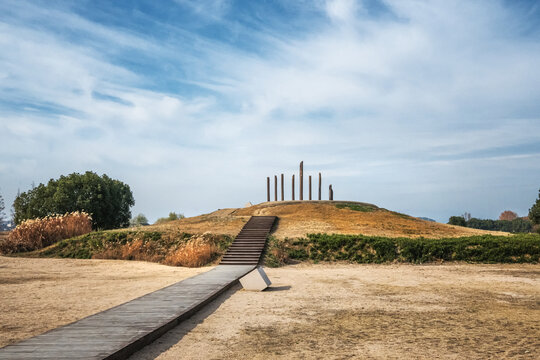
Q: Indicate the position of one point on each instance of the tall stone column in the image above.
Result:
(293, 187)
(320, 184)
(275, 187)
(301, 191)
(330, 193)
(282, 189)
(268, 188)
(309, 187)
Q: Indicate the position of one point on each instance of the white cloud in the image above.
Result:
(419, 101)
(341, 10)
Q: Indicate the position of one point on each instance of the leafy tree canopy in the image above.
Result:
(534, 212)
(457, 220)
(139, 220)
(108, 201)
(508, 215)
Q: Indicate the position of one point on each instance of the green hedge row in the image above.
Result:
(522, 248)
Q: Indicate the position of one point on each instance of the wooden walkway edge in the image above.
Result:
(118, 332)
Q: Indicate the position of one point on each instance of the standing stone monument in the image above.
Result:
(301, 191)
(293, 187)
(309, 187)
(282, 189)
(275, 187)
(268, 188)
(320, 183)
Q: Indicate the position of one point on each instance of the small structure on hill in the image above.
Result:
(300, 185)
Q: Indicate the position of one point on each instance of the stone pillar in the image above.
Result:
(330, 193)
(320, 184)
(293, 187)
(301, 191)
(275, 187)
(309, 187)
(282, 189)
(268, 189)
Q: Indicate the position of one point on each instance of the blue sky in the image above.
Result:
(431, 108)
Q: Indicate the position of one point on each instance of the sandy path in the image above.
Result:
(37, 295)
(371, 312)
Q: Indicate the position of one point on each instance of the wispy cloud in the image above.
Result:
(400, 97)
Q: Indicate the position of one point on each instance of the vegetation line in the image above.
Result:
(521, 248)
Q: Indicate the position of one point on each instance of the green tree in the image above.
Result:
(108, 201)
(534, 211)
(457, 220)
(139, 220)
(172, 216)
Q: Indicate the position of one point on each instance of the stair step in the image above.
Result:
(247, 247)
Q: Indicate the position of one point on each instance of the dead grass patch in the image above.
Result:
(193, 254)
(38, 233)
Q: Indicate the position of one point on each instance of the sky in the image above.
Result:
(430, 108)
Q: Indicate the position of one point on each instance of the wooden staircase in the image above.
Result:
(248, 245)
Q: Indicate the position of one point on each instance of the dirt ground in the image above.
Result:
(369, 312)
(37, 295)
(298, 218)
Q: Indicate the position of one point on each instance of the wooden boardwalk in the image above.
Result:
(120, 331)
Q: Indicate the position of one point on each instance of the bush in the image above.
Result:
(107, 200)
(172, 216)
(39, 233)
(139, 220)
(522, 248)
(534, 212)
(457, 220)
(519, 225)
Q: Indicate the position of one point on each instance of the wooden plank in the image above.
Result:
(120, 331)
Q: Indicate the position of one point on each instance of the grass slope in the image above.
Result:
(299, 218)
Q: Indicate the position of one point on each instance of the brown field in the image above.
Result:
(296, 219)
(330, 311)
(451, 311)
(37, 295)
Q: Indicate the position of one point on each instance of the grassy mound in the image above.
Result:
(172, 249)
(522, 248)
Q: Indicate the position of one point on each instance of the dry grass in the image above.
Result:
(298, 218)
(3, 235)
(195, 253)
(38, 233)
(135, 250)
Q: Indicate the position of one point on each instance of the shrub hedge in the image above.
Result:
(522, 248)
